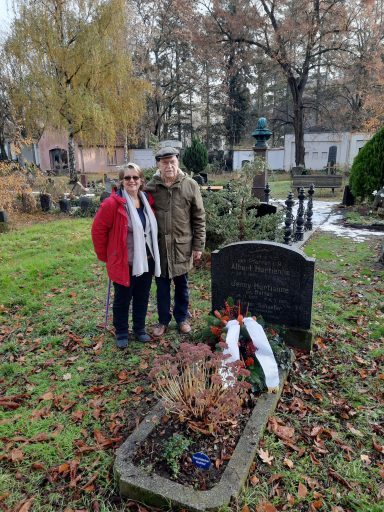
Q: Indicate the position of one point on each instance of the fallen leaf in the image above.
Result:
(288, 463)
(245, 509)
(354, 431)
(266, 507)
(38, 466)
(302, 491)
(264, 456)
(17, 455)
(67, 376)
(254, 480)
(377, 446)
(24, 506)
(365, 459)
(333, 474)
(275, 477)
(47, 396)
(123, 374)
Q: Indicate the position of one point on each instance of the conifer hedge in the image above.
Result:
(367, 172)
(195, 157)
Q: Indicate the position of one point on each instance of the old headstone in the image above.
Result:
(348, 197)
(4, 226)
(378, 200)
(65, 205)
(108, 184)
(271, 279)
(45, 202)
(199, 179)
(85, 203)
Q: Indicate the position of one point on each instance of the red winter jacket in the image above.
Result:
(109, 237)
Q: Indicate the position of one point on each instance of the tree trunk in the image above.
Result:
(71, 158)
(126, 153)
(298, 121)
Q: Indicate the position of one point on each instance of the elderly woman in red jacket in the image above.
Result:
(124, 235)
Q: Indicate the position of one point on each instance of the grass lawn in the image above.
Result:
(68, 397)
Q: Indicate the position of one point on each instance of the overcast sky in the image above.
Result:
(6, 15)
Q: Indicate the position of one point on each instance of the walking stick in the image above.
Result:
(107, 304)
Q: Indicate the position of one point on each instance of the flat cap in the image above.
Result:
(166, 153)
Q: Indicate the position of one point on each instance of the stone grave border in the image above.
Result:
(136, 483)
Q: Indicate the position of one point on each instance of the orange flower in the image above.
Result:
(216, 331)
(249, 361)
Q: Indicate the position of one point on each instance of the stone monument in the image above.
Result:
(262, 135)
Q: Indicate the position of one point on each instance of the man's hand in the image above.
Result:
(196, 255)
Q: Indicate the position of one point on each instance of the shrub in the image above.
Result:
(195, 157)
(14, 182)
(231, 214)
(194, 387)
(367, 172)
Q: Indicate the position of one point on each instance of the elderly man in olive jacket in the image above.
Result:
(181, 222)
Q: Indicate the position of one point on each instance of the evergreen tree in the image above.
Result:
(367, 173)
(195, 157)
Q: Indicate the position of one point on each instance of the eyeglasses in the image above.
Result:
(129, 178)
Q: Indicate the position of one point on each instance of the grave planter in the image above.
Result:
(45, 202)
(136, 482)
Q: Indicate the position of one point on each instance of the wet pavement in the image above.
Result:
(327, 217)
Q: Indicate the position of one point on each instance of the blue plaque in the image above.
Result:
(200, 460)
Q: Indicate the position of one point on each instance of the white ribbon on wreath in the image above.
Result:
(263, 351)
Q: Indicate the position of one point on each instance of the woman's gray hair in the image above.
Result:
(131, 165)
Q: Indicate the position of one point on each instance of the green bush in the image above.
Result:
(367, 172)
(195, 157)
(231, 214)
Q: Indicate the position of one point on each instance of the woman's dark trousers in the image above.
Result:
(138, 294)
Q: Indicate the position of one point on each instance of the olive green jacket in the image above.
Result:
(180, 217)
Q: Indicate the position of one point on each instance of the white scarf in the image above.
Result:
(140, 260)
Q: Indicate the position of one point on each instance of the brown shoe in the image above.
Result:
(184, 327)
(159, 330)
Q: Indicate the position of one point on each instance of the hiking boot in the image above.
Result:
(184, 327)
(159, 330)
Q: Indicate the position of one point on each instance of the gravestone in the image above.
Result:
(108, 185)
(4, 226)
(85, 203)
(65, 205)
(272, 280)
(348, 197)
(45, 202)
(199, 179)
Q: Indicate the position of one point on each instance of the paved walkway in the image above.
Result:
(327, 217)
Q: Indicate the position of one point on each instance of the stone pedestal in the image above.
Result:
(260, 180)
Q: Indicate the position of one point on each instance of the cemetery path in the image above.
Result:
(327, 216)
